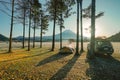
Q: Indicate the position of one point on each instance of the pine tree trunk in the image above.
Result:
(53, 41)
(60, 37)
(34, 35)
(92, 42)
(41, 30)
(81, 28)
(41, 36)
(29, 31)
(77, 40)
(11, 30)
(61, 32)
(24, 31)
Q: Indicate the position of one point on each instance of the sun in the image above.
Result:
(98, 31)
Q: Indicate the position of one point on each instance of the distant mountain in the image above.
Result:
(19, 38)
(67, 34)
(3, 38)
(115, 38)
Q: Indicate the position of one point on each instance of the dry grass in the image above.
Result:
(41, 64)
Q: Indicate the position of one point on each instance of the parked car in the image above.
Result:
(102, 46)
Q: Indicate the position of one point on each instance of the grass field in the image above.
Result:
(42, 64)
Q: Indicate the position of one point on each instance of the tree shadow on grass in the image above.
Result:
(104, 68)
(52, 58)
(30, 56)
(62, 73)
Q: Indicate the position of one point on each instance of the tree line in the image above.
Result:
(35, 15)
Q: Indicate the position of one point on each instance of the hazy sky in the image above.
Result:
(107, 25)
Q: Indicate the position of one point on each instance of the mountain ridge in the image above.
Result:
(3, 38)
(115, 37)
(67, 34)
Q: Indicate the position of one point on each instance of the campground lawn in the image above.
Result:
(42, 64)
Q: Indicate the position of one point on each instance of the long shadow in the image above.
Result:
(27, 56)
(62, 73)
(51, 58)
(104, 68)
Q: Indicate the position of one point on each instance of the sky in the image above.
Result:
(107, 25)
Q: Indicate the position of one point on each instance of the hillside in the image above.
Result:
(3, 38)
(115, 38)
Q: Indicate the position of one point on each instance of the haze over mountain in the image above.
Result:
(67, 34)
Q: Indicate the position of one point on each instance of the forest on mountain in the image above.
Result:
(3, 38)
(115, 37)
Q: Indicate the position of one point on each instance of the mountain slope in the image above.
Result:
(3, 38)
(115, 38)
(67, 34)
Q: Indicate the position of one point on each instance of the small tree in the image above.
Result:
(55, 9)
(61, 26)
(22, 15)
(29, 31)
(64, 12)
(44, 26)
(36, 6)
